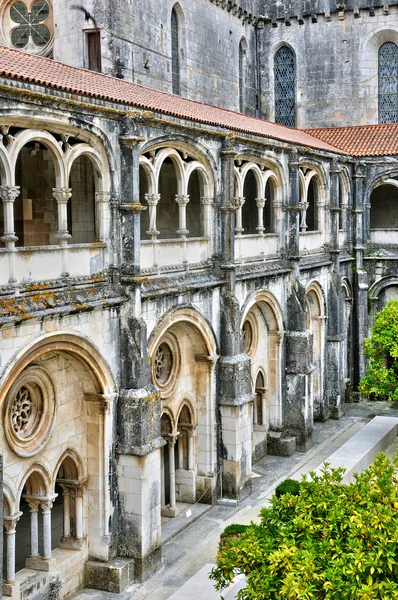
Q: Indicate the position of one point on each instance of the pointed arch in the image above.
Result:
(285, 86)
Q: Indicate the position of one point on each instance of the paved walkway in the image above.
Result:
(189, 555)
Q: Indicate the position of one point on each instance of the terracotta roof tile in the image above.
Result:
(361, 140)
(33, 69)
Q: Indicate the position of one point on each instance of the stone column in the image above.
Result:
(294, 208)
(360, 320)
(239, 202)
(182, 201)
(34, 527)
(303, 219)
(79, 512)
(8, 194)
(66, 507)
(46, 507)
(102, 200)
(260, 203)
(62, 196)
(172, 471)
(235, 393)
(207, 207)
(10, 524)
(191, 460)
(334, 384)
(153, 201)
(130, 206)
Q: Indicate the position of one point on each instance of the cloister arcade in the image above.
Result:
(56, 410)
(55, 191)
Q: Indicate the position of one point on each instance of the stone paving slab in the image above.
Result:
(199, 587)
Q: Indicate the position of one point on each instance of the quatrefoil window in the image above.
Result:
(30, 24)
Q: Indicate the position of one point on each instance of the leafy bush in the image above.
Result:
(332, 541)
(234, 529)
(289, 486)
(381, 379)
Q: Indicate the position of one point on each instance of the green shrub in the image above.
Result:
(332, 541)
(289, 486)
(234, 529)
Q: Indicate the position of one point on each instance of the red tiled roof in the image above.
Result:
(361, 140)
(33, 69)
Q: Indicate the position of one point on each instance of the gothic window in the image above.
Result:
(388, 83)
(28, 26)
(175, 53)
(242, 51)
(285, 87)
(163, 364)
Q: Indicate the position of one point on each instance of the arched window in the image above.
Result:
(285, 87)
(175, 53)
(242, 55)
(388, 83)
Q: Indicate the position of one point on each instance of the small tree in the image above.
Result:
(332, 541)
(381, 349)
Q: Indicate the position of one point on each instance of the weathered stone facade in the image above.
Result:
(177, 298)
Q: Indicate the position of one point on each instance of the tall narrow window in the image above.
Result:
(285, 87)
(388, 83)
(94, 50)
(241, 76)
(175, 53)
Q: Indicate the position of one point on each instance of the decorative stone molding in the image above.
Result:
(29, 412)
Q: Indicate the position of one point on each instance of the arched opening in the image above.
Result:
(61, 417)
(194, 213)
(262, 329)
(70, 492)
(175, 53)
(388, 83)
(260, 409)
(183, 372)
(168, 214)
(35, 209)
(312, 209)
(316, 324)
(81, 205)
(285, 86)
(249, 208)
(384, 207)
(269, 222)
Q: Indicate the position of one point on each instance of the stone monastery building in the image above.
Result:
(199, 221)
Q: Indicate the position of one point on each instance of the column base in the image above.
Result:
(38, 563)
(279, 445)
(11, 590)
(168, 511)
(113, 576)
(70, 543)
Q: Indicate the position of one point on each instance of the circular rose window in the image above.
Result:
(28, 25)
(163, 363)
(29, 412)
(247, 335)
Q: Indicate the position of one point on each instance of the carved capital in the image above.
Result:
(182, 199)
(8, 193)
(207, 201)
(260, 202)
(102, 197)
(152, 199)
(62, 195)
